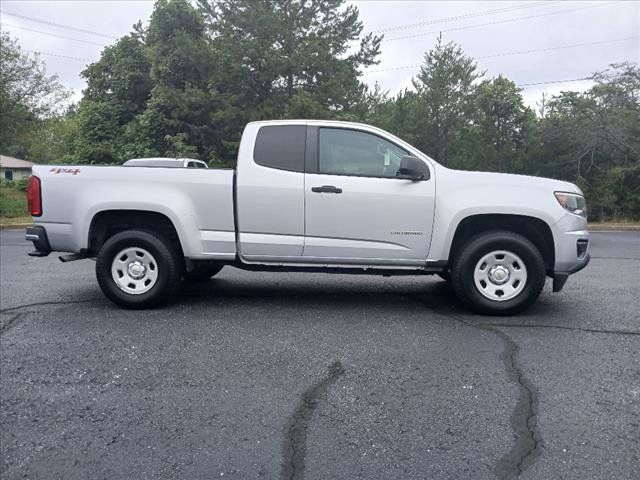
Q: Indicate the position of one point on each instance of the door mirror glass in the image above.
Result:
(412, 168)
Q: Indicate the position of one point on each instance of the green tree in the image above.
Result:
(287, 59)
(118, 88)
(28, 97)
(178, 118)
(149, 94)
(445, 88)
(502, 128)
(593, 138)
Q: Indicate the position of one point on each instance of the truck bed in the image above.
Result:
(193, 199)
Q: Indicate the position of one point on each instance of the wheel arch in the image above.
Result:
(106, 223)
(534, 229)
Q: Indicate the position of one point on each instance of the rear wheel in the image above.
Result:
(498, 273)
(138, 269)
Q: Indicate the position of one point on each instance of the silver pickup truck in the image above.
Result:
(317, 196)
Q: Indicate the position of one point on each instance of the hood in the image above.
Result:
(512, 180)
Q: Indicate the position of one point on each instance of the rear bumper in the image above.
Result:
(38, 235)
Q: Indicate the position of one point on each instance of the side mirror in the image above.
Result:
(412, 168)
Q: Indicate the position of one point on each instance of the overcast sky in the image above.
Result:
(596, 34)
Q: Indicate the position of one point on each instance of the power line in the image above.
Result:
(497, 22)
(60, 25)
(58, 55)
(521, 52)
(480, 13)
(553, 81)
(53, 34)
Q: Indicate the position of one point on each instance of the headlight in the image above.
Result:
(572, 202)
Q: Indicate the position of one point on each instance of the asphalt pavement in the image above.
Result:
(290, 376)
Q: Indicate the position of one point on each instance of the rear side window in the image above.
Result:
(281, 147)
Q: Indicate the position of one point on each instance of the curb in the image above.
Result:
(613, 228)
(13, 226)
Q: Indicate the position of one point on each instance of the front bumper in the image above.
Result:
(38, 235)
(560, 278)
(572, 248)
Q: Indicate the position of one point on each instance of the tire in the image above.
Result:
(138, 269)
(202, 273)
(485, 258)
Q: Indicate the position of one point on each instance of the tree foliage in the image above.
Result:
(444, 100)
(186, 84)
(28, 99)
(593, 138)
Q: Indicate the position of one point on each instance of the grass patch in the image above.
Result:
(13, 205)
(615, 225)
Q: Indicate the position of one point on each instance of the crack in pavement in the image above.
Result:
(38, 304)
(523, 420)
(563, 327)
(294, 448)
(4, 326)
(524, 415)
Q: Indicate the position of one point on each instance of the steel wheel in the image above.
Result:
(134, 270)
(500, 275)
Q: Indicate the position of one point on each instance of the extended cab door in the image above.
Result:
(270, 192)
(356, 209)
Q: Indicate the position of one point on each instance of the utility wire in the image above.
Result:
(480, 13)
(60, 25)
(553, 81)
(497, 22)
(521, 52)
(58, 55)
(53, 34)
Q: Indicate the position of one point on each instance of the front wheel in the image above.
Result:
(137, 269)
(498, 273)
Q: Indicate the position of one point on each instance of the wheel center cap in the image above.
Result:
(499, 274)
(136, 270)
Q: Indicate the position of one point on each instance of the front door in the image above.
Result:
(356, 209)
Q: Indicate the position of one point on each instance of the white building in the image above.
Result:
(14, 168)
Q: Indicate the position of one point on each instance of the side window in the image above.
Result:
(281, 147)
(191, 165)
(350, 152)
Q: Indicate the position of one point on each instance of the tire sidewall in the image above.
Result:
(463, 272)
(165, 261)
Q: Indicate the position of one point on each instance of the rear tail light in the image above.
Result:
(34, 196)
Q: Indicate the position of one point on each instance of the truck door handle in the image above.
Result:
(326, 189)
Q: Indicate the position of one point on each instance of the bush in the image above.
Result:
(4, 183)
(13, 204)
(21, 184)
